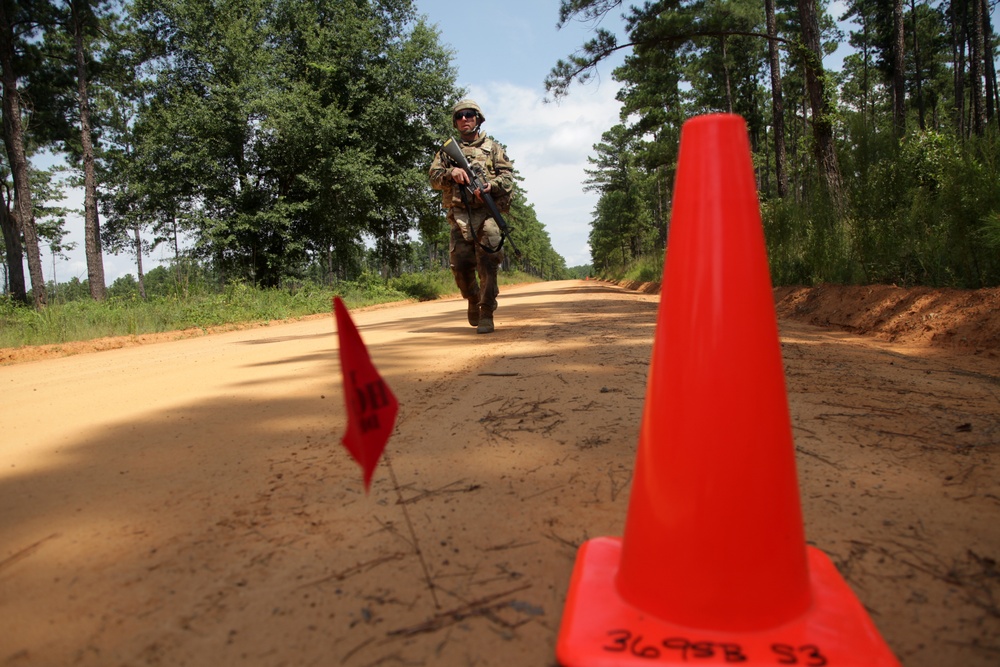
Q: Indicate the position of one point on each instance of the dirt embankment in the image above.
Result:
(955, 319)
(922, 316)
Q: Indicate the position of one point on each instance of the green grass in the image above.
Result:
(645, 269)
(128, 315)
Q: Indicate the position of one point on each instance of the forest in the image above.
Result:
(283, 140)
(887, 171)
(288, 140)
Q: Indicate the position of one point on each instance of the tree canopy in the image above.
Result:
(261, 137)
(888, 171)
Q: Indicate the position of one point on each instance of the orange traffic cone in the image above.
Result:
(713, 566)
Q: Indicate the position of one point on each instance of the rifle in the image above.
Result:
(476, 183)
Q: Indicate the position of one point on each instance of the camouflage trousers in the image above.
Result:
(470, 230)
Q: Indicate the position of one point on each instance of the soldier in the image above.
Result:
(476, 241)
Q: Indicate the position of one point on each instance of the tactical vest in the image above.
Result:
(482, 157)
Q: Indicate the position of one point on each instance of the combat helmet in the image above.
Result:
(469, 104)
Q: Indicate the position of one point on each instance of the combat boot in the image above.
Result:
(474, 311)
(485, 321)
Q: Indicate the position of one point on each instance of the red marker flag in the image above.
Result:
(371, 405)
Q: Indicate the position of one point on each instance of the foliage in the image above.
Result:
(274, 140)
(188, 296)
(646, 269)
(425, 286)
(264, 125)
(124, 313)
(286, 141)
(906, 200)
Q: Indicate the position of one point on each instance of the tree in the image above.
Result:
(859, 87)
(918, 78)
(898, 69)
(84, 19)
(622, 229)
(13, 249)
(14, 28)
(989, 66)
(61, 86)
(718, 50)
(977, 55)
(819, 101)
(126, 206)
(777, 99)
(909, 205)
(284, 130)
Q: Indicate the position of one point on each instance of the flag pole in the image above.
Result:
(413, 534)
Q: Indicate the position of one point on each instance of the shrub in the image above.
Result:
(425, 286)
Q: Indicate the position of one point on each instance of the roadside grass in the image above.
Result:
(237, 303)
(645, 269)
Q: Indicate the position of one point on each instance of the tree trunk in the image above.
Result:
(990, 73)
(725, 69)
(92, 228)
(138, 263)
(865, 78)
(777, 101)
(917, 74)
(958, 64)
(13, 139)
(15, 253)
(822, 123)
(976, 55)
(662, 206)
(898, 70)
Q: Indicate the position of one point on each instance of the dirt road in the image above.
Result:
(189, 503)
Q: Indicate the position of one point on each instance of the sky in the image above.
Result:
(502, 53)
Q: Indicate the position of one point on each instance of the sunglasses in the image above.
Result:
(464, 115)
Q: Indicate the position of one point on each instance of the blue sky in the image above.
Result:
(502, 52)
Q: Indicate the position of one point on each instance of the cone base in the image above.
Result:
(599, 629)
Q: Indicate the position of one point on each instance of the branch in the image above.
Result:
(564, 73)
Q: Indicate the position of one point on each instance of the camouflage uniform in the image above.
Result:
(474, 233)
